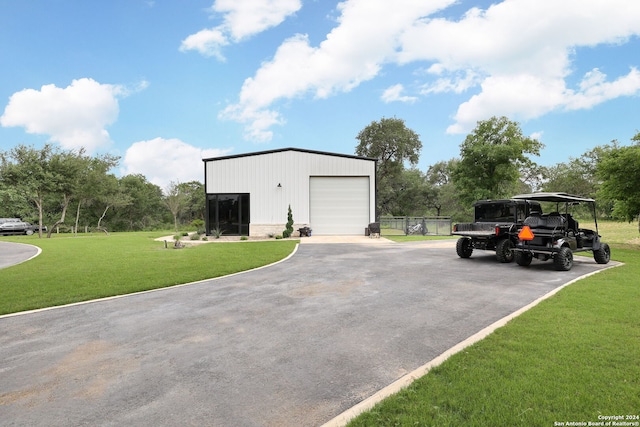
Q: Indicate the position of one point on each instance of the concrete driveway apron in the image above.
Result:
(294, 344)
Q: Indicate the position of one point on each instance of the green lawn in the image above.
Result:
(72, 269)
(572, 358)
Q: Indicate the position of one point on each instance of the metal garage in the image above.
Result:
(339, 205)
(249, 194)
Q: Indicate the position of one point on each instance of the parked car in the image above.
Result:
(15, 226)
(557, 235)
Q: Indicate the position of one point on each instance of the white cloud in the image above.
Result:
(207, 42)
(517, 96)
(353, 52)
(523, 50)
(75, 116)
(241, 20)
(516, 54)
(394, 94)
(595, 89)
(537, 135)
(457, 83)
(245, 18)
(162, 161)
(257, 122)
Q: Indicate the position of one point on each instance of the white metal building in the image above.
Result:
(249, 194)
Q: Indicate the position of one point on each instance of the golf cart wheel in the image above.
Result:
(563, 261)
(464, 248)
(602, 255)
(503, 250)
(523, 258)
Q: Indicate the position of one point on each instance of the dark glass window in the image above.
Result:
(228, 213)
(498, 212)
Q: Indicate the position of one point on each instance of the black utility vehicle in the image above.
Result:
(557, 235)
(494, 228)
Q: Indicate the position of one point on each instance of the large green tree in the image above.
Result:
(95, 185)
(145, 210)
(412, 194)
(28, 172)
(444, 198)
(577, 176)
(196, 201)
(619, 170)
(492, 158)
(394, 145)
(50, 179)
(175, 200)
(67, 169)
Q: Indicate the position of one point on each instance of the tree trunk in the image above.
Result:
(77, 217)
(65, 204)
(99, 227)
(38, 200)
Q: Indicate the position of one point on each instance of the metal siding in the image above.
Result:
(259, 176)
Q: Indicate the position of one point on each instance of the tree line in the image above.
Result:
(495, 162)
(70, 191)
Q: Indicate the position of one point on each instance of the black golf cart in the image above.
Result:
(557, 235)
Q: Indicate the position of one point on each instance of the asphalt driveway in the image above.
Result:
(294, 344)
(15, 253)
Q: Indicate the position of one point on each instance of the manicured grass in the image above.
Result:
(625, 233)
(571, 358)
(73, 269)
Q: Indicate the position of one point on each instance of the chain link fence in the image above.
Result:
(415, 225)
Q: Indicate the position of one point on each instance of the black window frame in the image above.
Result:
(227, 224)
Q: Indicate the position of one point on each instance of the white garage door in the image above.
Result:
(339, 205)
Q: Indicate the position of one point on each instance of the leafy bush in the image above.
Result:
(198, 224)
(194, 236)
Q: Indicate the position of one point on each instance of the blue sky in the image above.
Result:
(165, 83)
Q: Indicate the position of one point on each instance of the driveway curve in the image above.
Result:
(14, 253)
(295, 344)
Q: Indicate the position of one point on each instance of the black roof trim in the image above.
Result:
(279, 150)
(554, 197)
(487, 201)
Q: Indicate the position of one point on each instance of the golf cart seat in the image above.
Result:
(551, 222)
(572, 224)
(554, 221)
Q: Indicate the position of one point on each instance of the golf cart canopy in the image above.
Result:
(554, 197)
